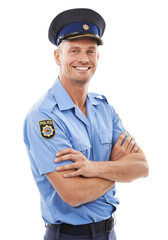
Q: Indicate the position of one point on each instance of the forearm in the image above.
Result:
(90, 189)
(78, 190)
(126, 169)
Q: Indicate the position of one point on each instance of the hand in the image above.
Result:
(81, 164)
(124, 145)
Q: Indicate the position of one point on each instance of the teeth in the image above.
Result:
(82, 68)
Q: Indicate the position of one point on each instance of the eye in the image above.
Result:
(74, 51)
(91, 52)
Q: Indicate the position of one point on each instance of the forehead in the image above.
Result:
(80, 43)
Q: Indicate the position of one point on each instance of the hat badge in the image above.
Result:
(86, 27)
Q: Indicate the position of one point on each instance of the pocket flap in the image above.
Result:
(80, 146)
(105, 138)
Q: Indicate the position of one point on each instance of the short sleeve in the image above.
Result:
(42, 151)
(118, 127)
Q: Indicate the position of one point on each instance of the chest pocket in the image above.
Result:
(105, 138)
(105, 143)
(84, 148)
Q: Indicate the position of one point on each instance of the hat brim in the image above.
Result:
(96, 38)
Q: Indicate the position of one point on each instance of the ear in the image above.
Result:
(98, 56)
(57, 57)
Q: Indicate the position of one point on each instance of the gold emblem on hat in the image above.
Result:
(86, 27)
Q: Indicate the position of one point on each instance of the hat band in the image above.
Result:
(77, 28)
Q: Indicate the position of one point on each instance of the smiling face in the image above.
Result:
(77, 60)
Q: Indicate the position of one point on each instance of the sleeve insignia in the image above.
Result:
(47, 129)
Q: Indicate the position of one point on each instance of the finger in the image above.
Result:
(131, 145)
(121, 138)
(72, 157)
(135, 148)
(65, 151)
(126, 141)
(66, 167)
(72, 174)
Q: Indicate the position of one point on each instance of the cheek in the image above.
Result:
(95, 63)
(65, 65)
(68, 62)
(62, 61)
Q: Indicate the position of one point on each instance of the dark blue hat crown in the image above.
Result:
(75, 24)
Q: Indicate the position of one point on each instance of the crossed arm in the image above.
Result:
(85, 181)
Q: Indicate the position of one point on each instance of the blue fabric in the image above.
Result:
(77, 27)
(93, 136)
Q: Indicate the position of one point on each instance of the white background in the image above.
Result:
(132, 73)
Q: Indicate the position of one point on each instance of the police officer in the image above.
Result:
(77, 145)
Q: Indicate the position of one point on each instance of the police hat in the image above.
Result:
(76, 24)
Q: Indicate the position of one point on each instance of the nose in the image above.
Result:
(83, 58)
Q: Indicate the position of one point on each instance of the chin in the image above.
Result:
(82, 81)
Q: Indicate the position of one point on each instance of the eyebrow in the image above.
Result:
(92, 47)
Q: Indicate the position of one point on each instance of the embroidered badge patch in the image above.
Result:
(47, 129)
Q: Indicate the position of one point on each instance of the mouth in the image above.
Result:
(82, 68)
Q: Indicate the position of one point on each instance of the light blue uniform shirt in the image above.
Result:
(94, 136)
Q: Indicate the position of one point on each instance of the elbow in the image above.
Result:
(144, 167)
(75, 204)
(145, 170)
(142, 171)
(73, 201)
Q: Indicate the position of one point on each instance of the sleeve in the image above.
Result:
(44, 138)
(118, 127)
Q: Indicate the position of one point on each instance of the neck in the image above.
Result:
(77, 92)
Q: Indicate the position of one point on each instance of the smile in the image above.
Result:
(82, 68)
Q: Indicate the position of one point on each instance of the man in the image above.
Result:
(77, 145)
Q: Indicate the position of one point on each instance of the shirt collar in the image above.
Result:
(93, 97)
(63, 99)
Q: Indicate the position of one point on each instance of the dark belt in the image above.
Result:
(104, 226)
